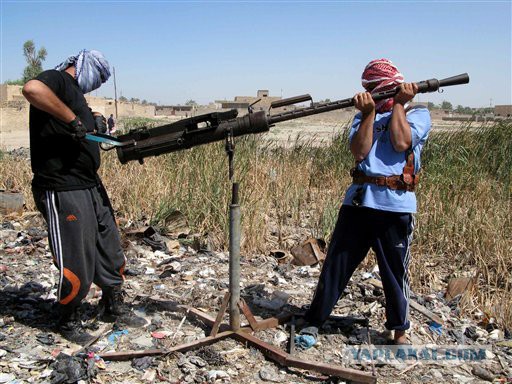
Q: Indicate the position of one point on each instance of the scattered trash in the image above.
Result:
(458, 286)
(172, 269)
(309, 253)
(280, 337)
(161, 284)
(154, 240)
(471, 333)
(69, 369)
(197, 361)
(269, 373)
(98, 361)
(435, 328)
(497, 334)
(482, 373)
(6, 377)
(161, 334)
(279, 255)
(45, 338)
(306, 338)
(215, 375)
(116, 335)
(278, 301)
(149, 375)
(11, 202)
(143, 363)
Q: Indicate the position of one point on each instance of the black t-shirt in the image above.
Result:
(59, 162)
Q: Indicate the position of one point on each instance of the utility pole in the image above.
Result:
(115, 89)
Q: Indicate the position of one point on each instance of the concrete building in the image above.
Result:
(242, 102)
(503, 111)
(173, 110)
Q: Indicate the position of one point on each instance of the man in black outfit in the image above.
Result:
(111, 124)
(83, 235)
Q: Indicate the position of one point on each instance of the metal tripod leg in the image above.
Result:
(234, 330)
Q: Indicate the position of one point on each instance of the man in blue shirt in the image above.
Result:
(386, 140)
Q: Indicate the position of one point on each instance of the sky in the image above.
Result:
(169, 52)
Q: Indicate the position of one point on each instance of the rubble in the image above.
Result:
(163, 279)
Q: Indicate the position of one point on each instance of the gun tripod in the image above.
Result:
(220, 331)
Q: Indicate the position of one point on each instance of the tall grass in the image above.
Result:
(464, 223)
(465, 215)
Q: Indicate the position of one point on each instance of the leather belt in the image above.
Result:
(403, 182)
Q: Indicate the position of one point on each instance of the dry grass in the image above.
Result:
(463, 225)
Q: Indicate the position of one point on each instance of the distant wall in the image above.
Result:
(503, 111)
(10, 93)
(173, 110)
(124, 109)
(14, 125)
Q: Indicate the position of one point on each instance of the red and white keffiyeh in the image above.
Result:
(381, 75)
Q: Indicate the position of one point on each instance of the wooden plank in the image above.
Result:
(104, 330)
(203, 316)
(418, 307)
(127, 355)
(421, 309)
(220, 314)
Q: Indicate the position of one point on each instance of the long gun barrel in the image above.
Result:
(208, 128)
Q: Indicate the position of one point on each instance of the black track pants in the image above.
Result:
(84, 240)
(357, 230)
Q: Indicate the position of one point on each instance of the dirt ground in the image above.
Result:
(185, 275)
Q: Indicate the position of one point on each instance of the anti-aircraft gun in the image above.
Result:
(203, 129)
(141, 143)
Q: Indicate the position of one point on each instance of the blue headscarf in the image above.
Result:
(91, 69)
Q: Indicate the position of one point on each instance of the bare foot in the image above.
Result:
(400, 338)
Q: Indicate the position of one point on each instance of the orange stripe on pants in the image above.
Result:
(75, 286)
(121, 271)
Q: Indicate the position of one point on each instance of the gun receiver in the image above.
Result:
(187, 133)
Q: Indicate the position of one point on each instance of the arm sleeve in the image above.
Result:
(420, 122)
(52, 79)
(355, 127)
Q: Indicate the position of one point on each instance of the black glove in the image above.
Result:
(77, 129)
(100, 123)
